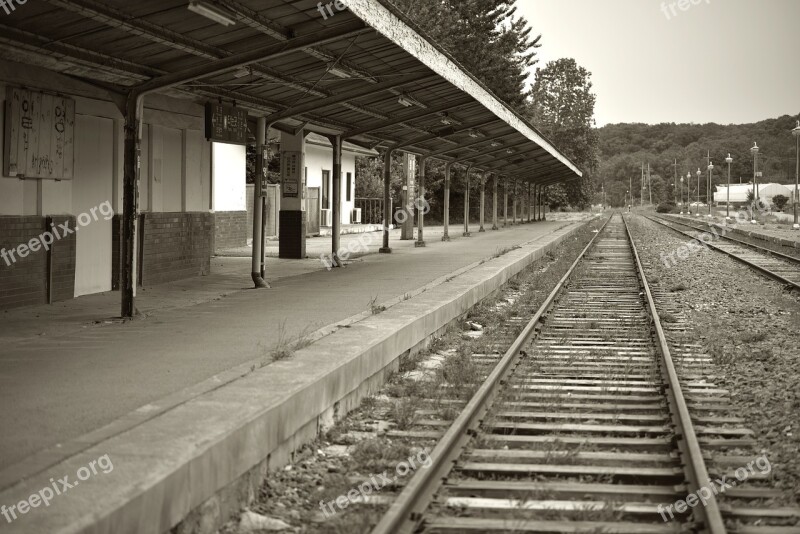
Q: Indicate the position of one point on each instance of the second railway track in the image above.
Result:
(583, 426)
(781, 267)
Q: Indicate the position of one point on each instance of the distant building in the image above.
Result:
(739, 193)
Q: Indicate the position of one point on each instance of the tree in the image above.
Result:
(562, 107)
(486, 36)
(556, 197)
(780, 201)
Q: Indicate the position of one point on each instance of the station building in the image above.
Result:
(146, 107)
(739, 192)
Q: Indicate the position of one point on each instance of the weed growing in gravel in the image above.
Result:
(753, 337)
(374, 308)
(404, 412)
(667, 317)
(462, 374)
(286, 347)
(677, 288)
(376, 455)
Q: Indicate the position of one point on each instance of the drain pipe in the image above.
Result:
(259, 267)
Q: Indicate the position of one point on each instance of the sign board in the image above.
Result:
(226, 124)
(39, 137)
(291, 179)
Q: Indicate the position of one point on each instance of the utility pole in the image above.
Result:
(675, 180)
(650, 183)
(708, 185)
(641, 191)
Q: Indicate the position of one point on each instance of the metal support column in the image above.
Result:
(544, 203)
(387, 201)
(495, 200)
(421, 205)
(336, 143)
(466, 202)
(505, 202)
(259, 267)
(483, 201)
(514, 204)
(130, 208)
(529, 202)
(447, 169)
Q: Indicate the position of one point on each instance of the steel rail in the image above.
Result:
(695, 465)
(406, 512)
(775, 253)
(763, 270)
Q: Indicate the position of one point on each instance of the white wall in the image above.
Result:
(319, 158)
(229, 170)
(175, 172)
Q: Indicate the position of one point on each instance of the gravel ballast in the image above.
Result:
(751, 326)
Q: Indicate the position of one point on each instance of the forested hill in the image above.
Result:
(690, 143)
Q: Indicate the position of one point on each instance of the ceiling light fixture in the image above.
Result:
(474, 134)
(405, 101)
(510, 151)
(212, 13)
(496, 143)
(446, 119)
(243, 72)
(337, 71)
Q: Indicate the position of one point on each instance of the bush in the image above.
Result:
(667, 207)
(780, 201)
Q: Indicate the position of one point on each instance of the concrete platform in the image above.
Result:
(774, 233)
(179, 400)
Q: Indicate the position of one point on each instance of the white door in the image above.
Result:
(91, 187)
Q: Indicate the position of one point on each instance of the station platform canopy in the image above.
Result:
(365, 72)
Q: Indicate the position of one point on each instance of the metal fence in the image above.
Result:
(371, 210)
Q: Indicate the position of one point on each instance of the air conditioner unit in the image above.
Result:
(356, 216)
(326, 218)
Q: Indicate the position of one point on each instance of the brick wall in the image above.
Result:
(176, 246)
(63, 262)
(25, 282)
(230, 229)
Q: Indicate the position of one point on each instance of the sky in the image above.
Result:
(723, 61)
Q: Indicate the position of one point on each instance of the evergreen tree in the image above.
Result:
(486, 36)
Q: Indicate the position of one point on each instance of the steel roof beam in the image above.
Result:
(473, 143)
(405, 118)
(443, 135)
(153, 32)
(351, 95)
(244, 59)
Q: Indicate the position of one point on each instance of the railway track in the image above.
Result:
(585, 424)
(780, 267)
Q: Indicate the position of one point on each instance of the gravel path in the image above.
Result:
(751, 327)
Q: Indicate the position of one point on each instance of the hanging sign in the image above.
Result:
(226, 124)
(39, 139)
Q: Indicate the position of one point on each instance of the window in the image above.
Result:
(349, 186)
(326, 190)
